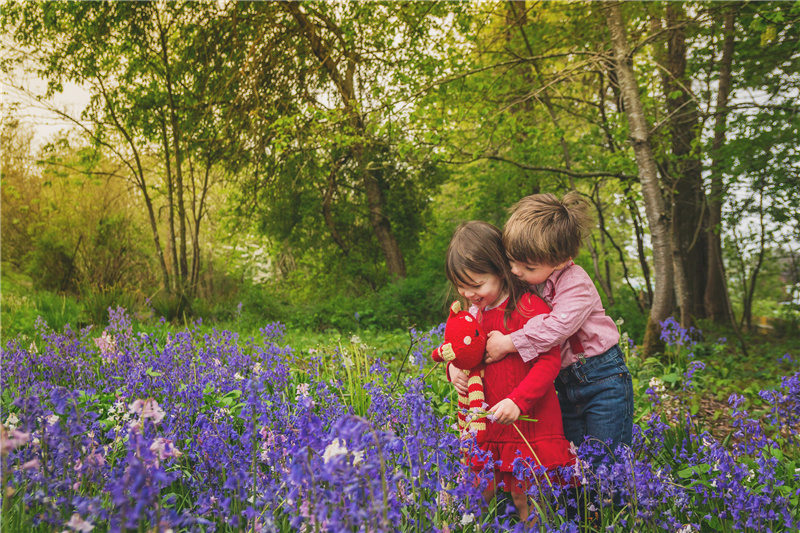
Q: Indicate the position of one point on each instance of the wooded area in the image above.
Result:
(345, 141)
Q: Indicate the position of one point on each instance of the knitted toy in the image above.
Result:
(464, 346)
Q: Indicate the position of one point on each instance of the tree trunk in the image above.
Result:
(383, 230)
(750, 289)
(658, 221)
(171, 248)
(381, 226)
(688, 202)
(633, 209)
(717, 299)
(177, 148)
(141, 184)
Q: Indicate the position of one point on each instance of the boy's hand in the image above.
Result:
(505, 412)
(497, 347)
(459, 380)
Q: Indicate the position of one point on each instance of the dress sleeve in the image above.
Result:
(572, 305)
(538, 381)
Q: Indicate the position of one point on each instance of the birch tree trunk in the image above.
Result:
(663, 299)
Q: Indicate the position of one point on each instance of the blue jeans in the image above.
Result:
(596, 399)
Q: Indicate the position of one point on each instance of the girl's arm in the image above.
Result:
(540, 378)
(573, 303)
(536, 383)
(458, 378)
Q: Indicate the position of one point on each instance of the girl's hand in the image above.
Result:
(497, 347)
(459, 379)
(505, 412)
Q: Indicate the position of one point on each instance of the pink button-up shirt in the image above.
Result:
(576, 307)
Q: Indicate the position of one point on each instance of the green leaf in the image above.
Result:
(153, 373)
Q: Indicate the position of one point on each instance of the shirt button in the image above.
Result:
(563, 315)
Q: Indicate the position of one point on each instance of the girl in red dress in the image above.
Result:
(478, 267)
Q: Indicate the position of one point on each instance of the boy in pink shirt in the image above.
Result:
(594, 386)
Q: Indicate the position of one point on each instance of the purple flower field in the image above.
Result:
(189, 431)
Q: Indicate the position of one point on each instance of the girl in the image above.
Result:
(594, 386)
(477, 266)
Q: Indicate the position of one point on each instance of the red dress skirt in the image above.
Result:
(530, 386)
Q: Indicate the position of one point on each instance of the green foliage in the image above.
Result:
(21, 308)
(173, 307)
(97, 300)
(51, 264)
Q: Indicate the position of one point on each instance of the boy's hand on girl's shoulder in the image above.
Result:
(459, 380)
(497, 347)
(505, 411)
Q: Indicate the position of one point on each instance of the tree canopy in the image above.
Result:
(352, 137)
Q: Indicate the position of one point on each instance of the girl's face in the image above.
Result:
(485, 291)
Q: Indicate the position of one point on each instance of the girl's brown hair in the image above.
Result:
(545, 230)
(478, 247)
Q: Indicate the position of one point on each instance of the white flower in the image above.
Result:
(14, 440)
(657, 385)
(148, 408)
(301, 391)
(76, 523)
(257, 368)
(32, 348)
(620, 321)
(238, 376)
(11, 422)
(355, 340)
(33, 464)
(107, 345)
(467, 519)
(164, 448)
(334, 449)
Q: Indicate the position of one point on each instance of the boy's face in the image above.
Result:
(534, 273)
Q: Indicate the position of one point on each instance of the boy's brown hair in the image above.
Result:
(545, 230)
(478, 247)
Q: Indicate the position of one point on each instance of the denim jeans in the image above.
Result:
(596, 399)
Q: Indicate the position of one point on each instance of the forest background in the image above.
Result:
(308, 162)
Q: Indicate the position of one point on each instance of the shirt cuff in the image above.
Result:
(526, 349)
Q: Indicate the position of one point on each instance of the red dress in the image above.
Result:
(530, 386)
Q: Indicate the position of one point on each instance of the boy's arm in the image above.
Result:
(572, 305)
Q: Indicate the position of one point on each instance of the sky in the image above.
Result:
(19, 88)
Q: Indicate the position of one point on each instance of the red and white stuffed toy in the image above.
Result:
(463, 347)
